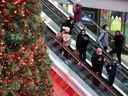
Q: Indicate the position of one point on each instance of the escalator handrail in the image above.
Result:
(89, 64)
(109, 57)
(109, 32)
(57, 16)
(78, 60)
(105, 54)
(59, 8)
(50, 9)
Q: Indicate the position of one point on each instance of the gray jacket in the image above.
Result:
(103, 39)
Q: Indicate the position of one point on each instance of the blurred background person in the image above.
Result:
(103, 38)
(118, 45)
(77, 12)
(67, 23)
(81, 44)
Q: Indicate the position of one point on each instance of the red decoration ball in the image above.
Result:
(19, 1)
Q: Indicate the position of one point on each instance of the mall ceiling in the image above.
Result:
(115, 5)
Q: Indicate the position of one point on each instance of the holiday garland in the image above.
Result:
(24, 64)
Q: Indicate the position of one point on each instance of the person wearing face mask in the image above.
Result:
(103, 38)
(81, 44)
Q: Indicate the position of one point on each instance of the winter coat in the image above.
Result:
(103, 40)
(119, 41)
(77, 13)
(97, 62)
(67, 23)
(82, 42)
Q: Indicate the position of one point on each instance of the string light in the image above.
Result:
(3, 1)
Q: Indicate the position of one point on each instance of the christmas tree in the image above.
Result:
(24, 64)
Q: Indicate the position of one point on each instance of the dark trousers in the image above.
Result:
(111, 79)
(118, 53)
(82, 54)
(95, 81)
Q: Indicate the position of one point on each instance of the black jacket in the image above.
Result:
(82, 42)
(97, 62)
(67, 23)
(119, 41)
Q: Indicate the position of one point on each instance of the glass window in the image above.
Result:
(116, 21)
(104, 17)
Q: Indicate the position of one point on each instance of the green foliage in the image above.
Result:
(47, 60)
(25, 70)
(29, 5)
(14, 85)
(13, 40)
(11, 8)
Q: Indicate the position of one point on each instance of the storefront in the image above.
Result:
(115, 21)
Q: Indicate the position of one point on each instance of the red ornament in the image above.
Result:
(19, 1)
(26, 61)
(3, 1)
(16, 56)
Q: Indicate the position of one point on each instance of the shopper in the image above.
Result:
(118, 45)
(65, 38)
(103, 38)
(77, 12)
(97, 61)
(81, 44)
(68, 23)
(111, 71)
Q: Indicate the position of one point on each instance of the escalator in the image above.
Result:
(96, 29)
(57, 11)
(86, 75)
(54, 13)
(93, 23)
